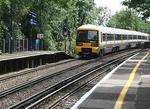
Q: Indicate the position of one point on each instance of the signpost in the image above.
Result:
(66, 33)
(39, 41)
(40, 36)
(32, 23)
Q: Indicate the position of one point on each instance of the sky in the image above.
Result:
(113, 5)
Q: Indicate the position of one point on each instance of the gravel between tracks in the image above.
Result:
(72, 99)
(16, 80)
(64, 104)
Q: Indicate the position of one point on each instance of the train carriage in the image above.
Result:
(98, 40)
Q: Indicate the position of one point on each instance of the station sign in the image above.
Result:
(32, 18)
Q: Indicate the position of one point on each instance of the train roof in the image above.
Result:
(109, 30)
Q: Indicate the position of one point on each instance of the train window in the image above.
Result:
(139, 37)
(110, 37)
(124, 37)
(92, 35)
(104, 37)
(134, 37)
(144, 37)
(117, 37)
(87, 36)
(130, 37)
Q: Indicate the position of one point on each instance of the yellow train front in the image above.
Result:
(87, 42)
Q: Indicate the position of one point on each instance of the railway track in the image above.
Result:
(57, 92)
(31, 88)
(64, 92)
(13, 79)
(9, 80)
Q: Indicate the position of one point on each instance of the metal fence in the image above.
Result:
(17, 45)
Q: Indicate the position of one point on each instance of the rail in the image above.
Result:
(37, 80)
(59, 86)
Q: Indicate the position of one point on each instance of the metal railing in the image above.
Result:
(17, 45)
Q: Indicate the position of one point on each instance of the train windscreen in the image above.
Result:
(87, 36)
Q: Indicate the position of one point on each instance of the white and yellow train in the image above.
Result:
(98, 40)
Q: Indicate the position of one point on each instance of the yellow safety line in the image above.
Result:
(120, 100)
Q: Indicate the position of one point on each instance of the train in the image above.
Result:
(93, 40)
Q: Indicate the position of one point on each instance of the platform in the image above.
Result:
(29, 59)
(126, 87)
(26, 54)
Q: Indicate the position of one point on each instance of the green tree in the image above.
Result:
(128, 19)
(101, 15)
(144, 26)
(125, 19)
(142, 6)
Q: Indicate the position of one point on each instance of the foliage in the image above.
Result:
(142, 6)
(144, 26)
(102, 15)
(128, 19)
(54, 18)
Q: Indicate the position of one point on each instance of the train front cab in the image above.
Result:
(87, 43)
